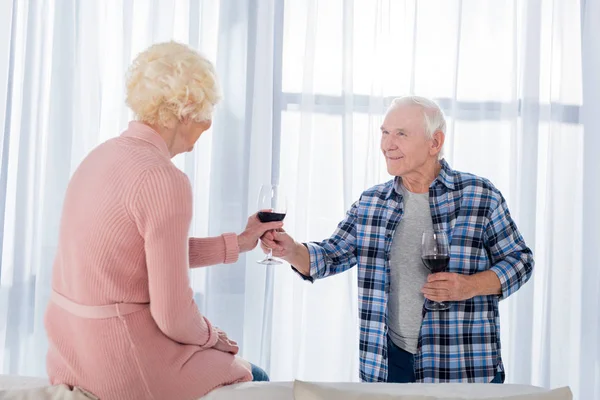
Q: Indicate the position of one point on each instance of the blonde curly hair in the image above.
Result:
(169, 82)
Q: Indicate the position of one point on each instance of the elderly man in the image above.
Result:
(400, 340)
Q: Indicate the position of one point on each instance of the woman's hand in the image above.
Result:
(225, 344)
(248, 239)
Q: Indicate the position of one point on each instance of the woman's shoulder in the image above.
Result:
(138, 155)
(134, 161)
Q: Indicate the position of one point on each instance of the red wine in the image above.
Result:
(436, 263)
(266, 216)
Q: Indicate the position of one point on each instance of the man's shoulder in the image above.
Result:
(470, 184)
(377, 193)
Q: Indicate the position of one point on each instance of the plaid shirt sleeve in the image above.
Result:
(336, 254)
(512, 260)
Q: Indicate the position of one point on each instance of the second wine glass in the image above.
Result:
(436, 256)
(272, 206)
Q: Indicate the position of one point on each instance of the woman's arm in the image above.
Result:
(163, 212)
(225, 249)
(222, 249)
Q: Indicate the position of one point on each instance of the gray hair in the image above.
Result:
(433, 116)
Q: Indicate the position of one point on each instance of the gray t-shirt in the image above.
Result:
(408, 274)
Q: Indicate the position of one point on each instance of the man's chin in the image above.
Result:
(394, 171)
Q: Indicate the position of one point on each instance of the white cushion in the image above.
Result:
(15, 382)
(313, 391)
(57, 392)
(316, 391)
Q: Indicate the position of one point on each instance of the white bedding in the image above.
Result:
(13, 382)
(284, 390)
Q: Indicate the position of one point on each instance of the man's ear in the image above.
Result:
(437, 142)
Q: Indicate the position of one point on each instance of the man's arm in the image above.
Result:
(318, 260)
(512, 265)
(511, 259)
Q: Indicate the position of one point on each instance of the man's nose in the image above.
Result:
(388, 144)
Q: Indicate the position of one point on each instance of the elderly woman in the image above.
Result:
(122, 322)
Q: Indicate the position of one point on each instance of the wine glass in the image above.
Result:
(435, 255)
(272, 206)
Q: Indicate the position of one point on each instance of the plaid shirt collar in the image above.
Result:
(445, 177)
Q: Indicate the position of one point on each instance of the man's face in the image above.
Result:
(404, 142)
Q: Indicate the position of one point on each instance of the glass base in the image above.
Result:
(269, 261)
(435, 306)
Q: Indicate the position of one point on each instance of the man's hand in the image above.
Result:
(448, 286)
(282, 244)
(286, 248)
(248, 239)
(225, 344)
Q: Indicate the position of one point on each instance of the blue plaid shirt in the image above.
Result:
(461, 344)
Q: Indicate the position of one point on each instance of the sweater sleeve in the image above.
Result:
(222, 249)
(163, 212)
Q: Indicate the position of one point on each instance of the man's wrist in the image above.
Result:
(294, 255)
(473, 287)
(484, 283)
(300, 259)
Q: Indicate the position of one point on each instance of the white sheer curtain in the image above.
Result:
(305, 84)
(62, 84)
(509, 76)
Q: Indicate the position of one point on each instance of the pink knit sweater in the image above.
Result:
(124, 239)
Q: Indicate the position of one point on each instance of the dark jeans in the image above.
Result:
(259, 374)
(401, 366)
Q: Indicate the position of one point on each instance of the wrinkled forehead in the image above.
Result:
(404, 117)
